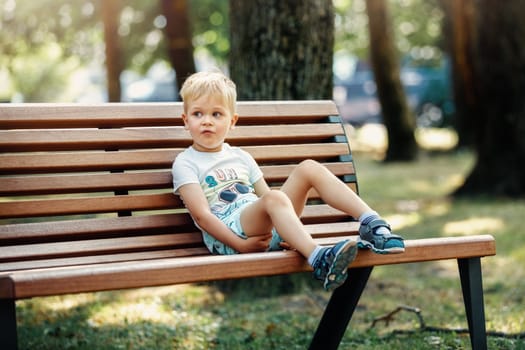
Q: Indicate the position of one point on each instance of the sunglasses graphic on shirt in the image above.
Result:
(231, 193)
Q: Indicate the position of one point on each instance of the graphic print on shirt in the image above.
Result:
(225, 186)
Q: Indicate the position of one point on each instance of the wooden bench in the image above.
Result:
(86, 205)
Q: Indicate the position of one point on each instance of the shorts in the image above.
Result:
(231, 216)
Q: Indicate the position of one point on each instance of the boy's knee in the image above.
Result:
(308, 166)
(275, 198)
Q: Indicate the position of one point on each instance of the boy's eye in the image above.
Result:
(197, 114)
(217, 114)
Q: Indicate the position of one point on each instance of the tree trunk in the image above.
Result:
(179, 38)
(500, 78)
(397, 117)
(460, 35)
(282, 49)
(110, 17)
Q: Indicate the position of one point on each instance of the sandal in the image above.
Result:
(380, 244)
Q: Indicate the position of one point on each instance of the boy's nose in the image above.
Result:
(207, 119)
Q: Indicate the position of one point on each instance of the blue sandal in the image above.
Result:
(331, 268)
(380, 244)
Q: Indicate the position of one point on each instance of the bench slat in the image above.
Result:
(89, 205)
(38, 115)
(158, 272)
(106, 258)
(23, 185)
(107, 139)
(151, 159)
(99, 246)
(99, 204)
(151, 242)
(24, 233)
(31, 256)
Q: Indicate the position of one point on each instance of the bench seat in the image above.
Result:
(86, 205)
(167, 267)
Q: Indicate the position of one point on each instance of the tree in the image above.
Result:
(282, 49)
(499, 83)
(397, 117)
(179, 38)
(110, 15)
(461, 38)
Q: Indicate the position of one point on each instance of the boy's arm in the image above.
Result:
(198, 206)
(261, 187)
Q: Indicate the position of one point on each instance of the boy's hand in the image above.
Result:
(254, 244)
(285, 245)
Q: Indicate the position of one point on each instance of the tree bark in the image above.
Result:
(110, 15)
(282, 49)
(397, 117)
(460, 34)
(500, 100)
(179, 38)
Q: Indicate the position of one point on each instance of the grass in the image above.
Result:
(413, 197)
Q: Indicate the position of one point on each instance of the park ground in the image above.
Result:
(414, 197)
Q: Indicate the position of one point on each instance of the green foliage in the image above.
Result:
(29, 30)
(211, 28)
(416, 24)
(28, 27)
(39, 49)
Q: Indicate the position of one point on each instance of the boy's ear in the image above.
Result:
(235, 118)
(185, 120)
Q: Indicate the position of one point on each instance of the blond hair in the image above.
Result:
(209, 83)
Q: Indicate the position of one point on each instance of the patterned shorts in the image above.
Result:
(232, 218)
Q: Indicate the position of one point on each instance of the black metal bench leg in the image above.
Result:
(339, 310)
(8, 336)
(472, 286)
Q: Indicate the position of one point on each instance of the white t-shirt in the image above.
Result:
(224, 176)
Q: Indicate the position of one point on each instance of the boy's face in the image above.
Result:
(208, 120)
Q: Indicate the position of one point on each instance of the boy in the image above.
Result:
(229, 200)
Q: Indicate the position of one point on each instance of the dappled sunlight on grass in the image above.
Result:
(428, 185)
(373, 139)
(129, 312)
(474, 226)
(436, 138)
(438, 208)
(413, 197)
(134, 319)
(400, 221)
(370, 138)
(66, 303)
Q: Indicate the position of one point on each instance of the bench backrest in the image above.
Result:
(84, 184)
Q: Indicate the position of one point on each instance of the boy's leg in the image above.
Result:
(331, 264)
(313, 175)
(274, 209)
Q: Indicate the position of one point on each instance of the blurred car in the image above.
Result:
(150, 90)
(427, 86)
(159, 85)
